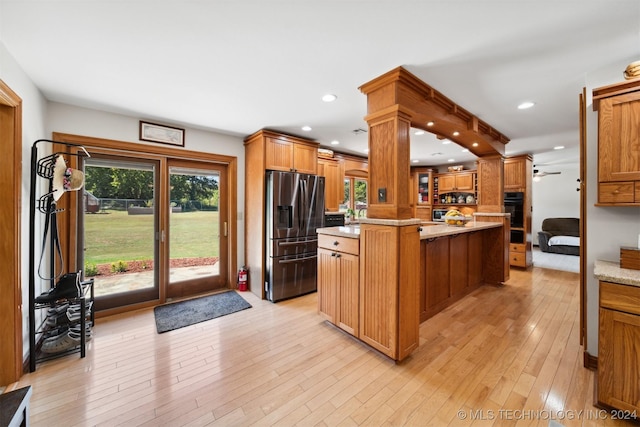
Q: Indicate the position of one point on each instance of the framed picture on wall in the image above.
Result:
(163, 134)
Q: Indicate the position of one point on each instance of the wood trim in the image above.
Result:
(590, 362)
(582, 187)
(11, 306)
(613, 90)
(174, 153)
(162, 153)
(400, 87)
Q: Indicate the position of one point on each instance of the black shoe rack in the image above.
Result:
(59, 322)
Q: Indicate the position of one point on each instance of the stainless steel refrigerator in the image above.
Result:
(295, 209)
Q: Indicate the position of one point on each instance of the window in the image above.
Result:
(355, 196)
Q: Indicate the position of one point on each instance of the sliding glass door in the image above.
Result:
(197, 228)
(120, 226)
(153, 229)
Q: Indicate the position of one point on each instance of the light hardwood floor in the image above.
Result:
(505, 355)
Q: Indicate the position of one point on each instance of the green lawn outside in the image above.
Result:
(116, 236)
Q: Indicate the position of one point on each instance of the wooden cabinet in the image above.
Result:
(515, 174)
(518, 173)
(618, 108)
(451, 267)
(331, 170)
(338, 281)
(284, 153)
(456, 181)
(422, 186)
(518, 255)
(619, 347)
(389, 288)
(268, 150)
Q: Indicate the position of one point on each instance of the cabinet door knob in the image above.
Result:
(336, 243)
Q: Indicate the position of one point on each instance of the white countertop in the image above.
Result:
(439, 230)
(351, 231)
(609, 271)
(429, 230)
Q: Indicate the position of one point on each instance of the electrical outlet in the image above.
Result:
(382, 195)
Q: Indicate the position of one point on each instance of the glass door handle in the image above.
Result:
(225, 229)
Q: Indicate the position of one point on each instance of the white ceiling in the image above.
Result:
(237, 66)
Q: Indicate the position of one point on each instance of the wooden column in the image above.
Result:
(389, 164)
(491, 184)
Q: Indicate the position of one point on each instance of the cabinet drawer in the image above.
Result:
(518, 259)
(616, 192)
(637, 197)
(514, 247)
(339, 244)
(620, 297)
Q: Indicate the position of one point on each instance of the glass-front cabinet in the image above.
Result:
(423, 189)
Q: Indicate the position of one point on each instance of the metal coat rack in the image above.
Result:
(44, 168)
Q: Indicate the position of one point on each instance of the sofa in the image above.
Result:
(560, 236)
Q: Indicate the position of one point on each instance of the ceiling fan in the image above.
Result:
(539, 173)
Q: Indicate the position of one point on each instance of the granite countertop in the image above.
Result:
(609, 271)
(429, 229)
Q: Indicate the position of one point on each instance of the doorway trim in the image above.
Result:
(130, 148)
(11, 365)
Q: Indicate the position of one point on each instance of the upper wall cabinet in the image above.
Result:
(290, 154)
(332, 170)
(515, 174)
(618, 108)
(456, 181)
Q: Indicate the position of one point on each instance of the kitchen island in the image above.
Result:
(355, 265)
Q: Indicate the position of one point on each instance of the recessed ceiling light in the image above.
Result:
(335, 142)
(451, 160)
(329, 97)
(558, 147)
(419, 132)
(446, 141)
(456, 133)
(475, 144)
(429, 123)
(525, 105)
(415, 160)
(465, 150)
(306, 128)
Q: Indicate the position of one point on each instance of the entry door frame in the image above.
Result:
(11, 306)
(144, 150)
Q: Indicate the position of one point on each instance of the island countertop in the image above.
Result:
(429, 229)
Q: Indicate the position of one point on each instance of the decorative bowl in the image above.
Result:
(457, 220)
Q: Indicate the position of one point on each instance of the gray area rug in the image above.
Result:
(184, 313)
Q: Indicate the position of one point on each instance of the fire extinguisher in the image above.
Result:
(242, 279)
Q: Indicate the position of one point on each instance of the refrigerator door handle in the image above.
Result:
(299, 203)
(303, 193)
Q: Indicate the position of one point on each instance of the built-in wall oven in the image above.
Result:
(514, 204)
